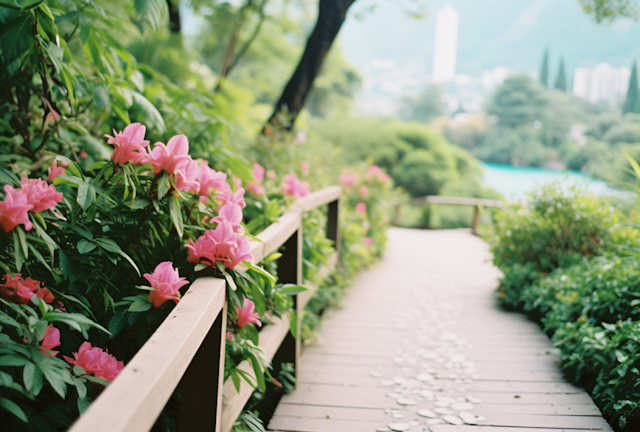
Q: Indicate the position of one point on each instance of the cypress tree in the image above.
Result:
(544, 69)
(632, 104)
(561, 81)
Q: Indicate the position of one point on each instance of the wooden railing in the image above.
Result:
(437, 199)
(189, 346)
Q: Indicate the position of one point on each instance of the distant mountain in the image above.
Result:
(510, 33)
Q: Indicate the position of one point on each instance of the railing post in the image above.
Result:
(333, 223)
(476, 219)
(290, 271)
(201, 385)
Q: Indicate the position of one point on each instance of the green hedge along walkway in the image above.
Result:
(422, 346)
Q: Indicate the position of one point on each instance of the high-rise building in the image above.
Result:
(603, 82)
(446, 44)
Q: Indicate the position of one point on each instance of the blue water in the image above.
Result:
(516, 182)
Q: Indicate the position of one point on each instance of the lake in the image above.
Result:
(515, 182)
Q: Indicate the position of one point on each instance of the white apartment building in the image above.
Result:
(603, 82)
(445, 49)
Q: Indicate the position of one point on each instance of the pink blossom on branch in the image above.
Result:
(292, 186)
(219, 244)
(272, 174)
(50, 340)
(231, 213)
(348, 179)
(186, 174)
(258, 172)
(14, 208)
(96, 361)
(166, 282)
(210, 179)
(363, 191)
(18, 290)
(55, 170)
(129, 145)
(361, 208)
(40, 195)
(367, 241)
(246, 314)
(171, 156)
(304, 168)
(225, 196)
(376, 171)
(256, 189)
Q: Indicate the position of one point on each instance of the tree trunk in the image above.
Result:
(331, 15)
(174, 16)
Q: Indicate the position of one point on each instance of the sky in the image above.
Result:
(508, 33)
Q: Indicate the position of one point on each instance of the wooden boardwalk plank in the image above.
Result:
(421, 331)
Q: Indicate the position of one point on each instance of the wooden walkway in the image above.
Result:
(422, 346)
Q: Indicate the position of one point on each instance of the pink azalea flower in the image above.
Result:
(258, 172)
(96, 361)
(170, 156)
(229, 336)
(246, 314)
(18, 290)
(294, 187)
(210, 179)
(271, 174)
(186, 174)
(40, 195)
(376, 171)
(361, 208)
(256, 189)
(225, 196)
(220, 244)
(238, 182)
(55, 170)
(50, 340)
(14, 208)
(304, 168)
(53, 116)
(368, 242)
(363, 191)
(348, 179)
(231, 213)
(129, 145)
(166, 282)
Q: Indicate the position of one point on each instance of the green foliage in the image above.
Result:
(608, 10)
(423, 107)
(518, 101)
(561, 80)
(553, 229)
(544, 69)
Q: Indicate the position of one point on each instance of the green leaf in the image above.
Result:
(236, 379)
(12, 360)
(13, 409)
(17, 251)
(151, 14)
(143, 111)
(262, 271)
(293, 324)
(227, 276)
(291, 289)
(83, 192)
(30, 4)
(83, 404)
(258, 299)
(6, 380)
(176, 215)
(86, 246)
(116, 323)
(257, 369)
(163, 185)
(140, 306)
(252, 334)
(28, 374)
(23, 241)
(80, 387)
(200, 267)
(55, 380)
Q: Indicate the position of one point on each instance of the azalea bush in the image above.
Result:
(570, 262)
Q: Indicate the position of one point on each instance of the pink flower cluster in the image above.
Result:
(18, 290)
(55, 170)
(246, 314)
(96, 361)
(361, 208)
(173, 158)
(376, 171)
(35, 195)
(292, 186)
(166, 283)
(258, 175)
(50, 340)
(220, 244)
(348, 179)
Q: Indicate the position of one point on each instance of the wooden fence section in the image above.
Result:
(437, 199)
(189, 346)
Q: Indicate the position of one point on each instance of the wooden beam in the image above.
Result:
(135, 399)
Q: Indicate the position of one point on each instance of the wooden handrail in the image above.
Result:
(189, 346)
(437, 199)
(135, 399)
